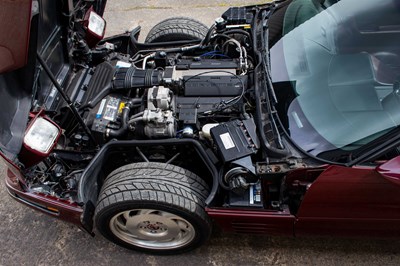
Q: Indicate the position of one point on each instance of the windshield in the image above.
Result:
(334, 73)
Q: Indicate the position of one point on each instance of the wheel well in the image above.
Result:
(118, 153)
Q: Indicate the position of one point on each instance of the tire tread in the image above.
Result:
(180, 27)
(155, 183)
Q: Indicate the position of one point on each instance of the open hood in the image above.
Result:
(28, 27)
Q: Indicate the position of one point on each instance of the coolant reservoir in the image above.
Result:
(206, 130)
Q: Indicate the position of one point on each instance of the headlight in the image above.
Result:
(40, 138)
(41, 135)
(96, 25)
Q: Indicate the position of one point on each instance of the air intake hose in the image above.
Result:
(133, 77)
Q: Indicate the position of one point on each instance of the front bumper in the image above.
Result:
(61, 209)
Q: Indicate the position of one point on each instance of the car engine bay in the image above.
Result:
(154, 94)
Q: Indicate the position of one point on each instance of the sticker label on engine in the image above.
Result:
(111, 111)
(100, 111)
(227, 141)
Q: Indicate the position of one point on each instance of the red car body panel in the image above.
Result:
(352, 202)
(342, 202)
(253, 221)
(14, 33)
(62, 209)
(390, 170)
(46, 204)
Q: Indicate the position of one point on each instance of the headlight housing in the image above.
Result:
(40, 138)
(96, 24)
(95, 27)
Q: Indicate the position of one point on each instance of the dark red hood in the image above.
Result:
(14, 34)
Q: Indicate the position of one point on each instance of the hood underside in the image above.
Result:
(29, 27)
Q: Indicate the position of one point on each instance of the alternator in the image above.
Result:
(159, 117)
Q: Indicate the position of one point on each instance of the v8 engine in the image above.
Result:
(170, 101)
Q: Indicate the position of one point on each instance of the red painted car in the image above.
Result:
(279, 119)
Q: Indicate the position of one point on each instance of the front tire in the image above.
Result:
(177, 29)
(153, 207)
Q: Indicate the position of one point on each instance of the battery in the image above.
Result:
(106, 113)
(250, 198)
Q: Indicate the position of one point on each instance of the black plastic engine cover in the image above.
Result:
(221, 85)
(209, 64)
(235, 139)
(101, 77)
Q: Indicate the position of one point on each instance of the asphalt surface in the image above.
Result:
(28, 237)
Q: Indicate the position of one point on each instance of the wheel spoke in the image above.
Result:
(118, 222)
(168, 215)
(126, 215)
(131, 234)
(145, 211)
(185, 227)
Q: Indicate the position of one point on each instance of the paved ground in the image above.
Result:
(30, 238)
